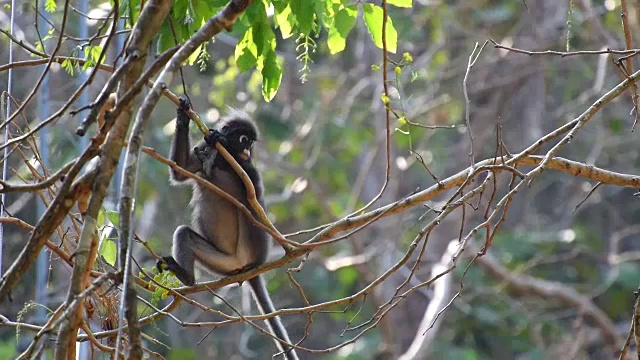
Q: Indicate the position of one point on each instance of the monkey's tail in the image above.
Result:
(261, 296)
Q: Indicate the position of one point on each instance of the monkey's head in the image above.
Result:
(240, 133)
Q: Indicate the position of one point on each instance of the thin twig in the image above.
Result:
(473, 57)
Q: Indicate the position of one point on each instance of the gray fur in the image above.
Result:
(220, 238)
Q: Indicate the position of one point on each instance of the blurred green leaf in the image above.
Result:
(284, 21)
(100, 220)
(246, 52)
(68, 66)
(50, 6)
(347, 276)
(628, 275)
(271, 76)
(109, 251)
(166, 278)
(616, 126)
(165, 38)
(345, 20)
(401, 3)
(113, 217)
(185, 353)
(373, 19)
(132, 9)
(303, 11)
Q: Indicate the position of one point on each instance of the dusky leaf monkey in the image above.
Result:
(220, 237)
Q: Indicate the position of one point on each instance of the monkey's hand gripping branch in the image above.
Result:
(286, 244)
(214, 137)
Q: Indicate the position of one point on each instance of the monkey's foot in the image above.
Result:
(167, 263)
(215, 136)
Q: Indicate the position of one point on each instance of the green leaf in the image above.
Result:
(246, 52)
(218, 3)
(264, 38)
(109, 251)
(179, 10)
(39, 47)
(100, 221)
(256, 13)
(50, 6)
(302, 10)
(95, 53)
(400, 3)
(616, 125)
(284, 21)
(92, 56)
(345, 19)
(267, 61)
(347, 276)
(271, 76)
(133, 10)
(194, 55)
(67, 65)
(166, 278)
(113, 217)
(373, 19)
(165, 37)
(160, 293)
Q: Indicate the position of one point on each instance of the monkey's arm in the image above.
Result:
(180, 146)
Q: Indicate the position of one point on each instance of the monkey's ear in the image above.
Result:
(225, 128)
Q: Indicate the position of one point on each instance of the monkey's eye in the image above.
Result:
(243, 139)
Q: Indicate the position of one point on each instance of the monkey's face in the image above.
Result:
(240, 142)
(244, 147)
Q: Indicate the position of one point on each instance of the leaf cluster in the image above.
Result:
(256, 36)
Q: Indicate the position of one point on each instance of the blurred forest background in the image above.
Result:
(559, 278)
